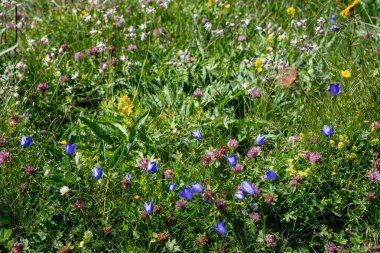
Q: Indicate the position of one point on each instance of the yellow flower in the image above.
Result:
(291, 11)
(291, 171)
(345, 73)
(227, 6)
(83, 13)
(340, 145)
(81, 244)
(63, 142)
(209, 3)
(374, 142)
(332, 143)
(124, 106)
(302, 173)
(137, 197)
(258, 65)
(345, 12)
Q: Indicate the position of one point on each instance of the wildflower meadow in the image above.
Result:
(190, 126)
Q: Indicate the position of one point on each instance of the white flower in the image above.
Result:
(64, 190)
(208, 26)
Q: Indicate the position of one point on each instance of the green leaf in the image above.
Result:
(98, 130)
(8, 49)
(121, 128)
(5, 234)
(117, 154)
(139, 123)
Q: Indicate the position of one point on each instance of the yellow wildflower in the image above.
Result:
(302, 173)
(258, 65)
(345, 12)
(209, 3)
(124, 106)
(81, 244)
(374, 142)
(291, 171)
(226, 6)
(332, 143)
(345, 73)
(137, 197)
(63, 142)
(291, 11)
(340, 145)
(83, 13)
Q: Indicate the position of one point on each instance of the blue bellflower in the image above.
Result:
(148, 206)
(334, 28)
(221, 228)
(128, 177)
(97, 173)
(260, 140)
(152, 167)
(270, 175)
(232, 160)
(327, 130)
(171, 186)
(239, 195)
(70, 148)
(247, 187)
(334, 89)
(186, 193)
(197, 135)
(197, 187)
(26, 141)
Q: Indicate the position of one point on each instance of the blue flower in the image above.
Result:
(270, 175)
(148, 206)
(239, 195)
(70, 148)
(334, 89)
(247, 187)
(334, 28)
(197, 187)
(327, 130)
(221, 228)
(260, 140)
(186, 139)
(171, 186)
(186, 193)
(152, 167)
(97, 173)
(197, 135)
(333, 17)
(26, 141)
(128, 177)
(232, 160)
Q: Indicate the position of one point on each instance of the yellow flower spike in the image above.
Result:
(291, 11)
(345, 73)
(344, 13)
(64, 142)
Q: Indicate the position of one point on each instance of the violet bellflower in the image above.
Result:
(186, 193)
(239, 195)
(232, 160)
(128, 177)
(148, 206)
(97, 173)
(197, 187)
(270, 175)
(197, 134)
(172, 186)
(26, 141)
(247, 187)
(70, 148)
(334, 89)
(327, 130)
(260, 140)
(220, 228)
(152, 167)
